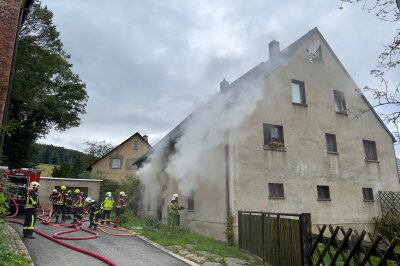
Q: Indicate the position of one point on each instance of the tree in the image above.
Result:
(97, 148)
(46, 93)
(388, 61)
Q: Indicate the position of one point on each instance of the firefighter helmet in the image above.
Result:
(77, 191)
(34, 185)
(88, 200)
(108, 194)
(63, 188)
(54, 190)
(122, 194)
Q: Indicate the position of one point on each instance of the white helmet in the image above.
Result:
(34, 185)
(175, 196)
(122, 194)
(54, 190)
(88, 200)
(108, 194)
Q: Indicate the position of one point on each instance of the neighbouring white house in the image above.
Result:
(287, 137)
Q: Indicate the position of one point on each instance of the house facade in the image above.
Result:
(306, 148)
(118, 162)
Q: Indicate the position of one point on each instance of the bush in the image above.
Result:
(151, 222)
(229, 232)
(388, 225)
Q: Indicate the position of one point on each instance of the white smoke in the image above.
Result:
(204, 131)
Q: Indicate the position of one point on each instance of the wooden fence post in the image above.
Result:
(305, 238)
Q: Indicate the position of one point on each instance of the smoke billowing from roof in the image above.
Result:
(198, 137)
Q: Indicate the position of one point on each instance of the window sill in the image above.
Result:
(267, 147)
(371, 161)
(190, 211)
(324, 199)
(300, 104)
(369, 200)
(342, 112)
(276, 198)
(333, 152)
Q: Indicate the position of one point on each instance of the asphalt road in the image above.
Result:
(120, 249)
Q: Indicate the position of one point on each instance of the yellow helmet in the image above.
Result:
(77, 191)
(63, 188)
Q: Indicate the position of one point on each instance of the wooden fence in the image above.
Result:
(347, 247)
(390, 202)
(277, 238)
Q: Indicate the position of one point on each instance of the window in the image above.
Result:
(323, 193)
(330, 142)
(273, 136)
(370, 150)
(116, 163)
(340, 103)
(368, 194)
(276, 190)
(298, 92)
(135, 145)
(191, 201)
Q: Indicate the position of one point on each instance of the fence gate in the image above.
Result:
(279, 239)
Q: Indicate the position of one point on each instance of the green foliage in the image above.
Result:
(131, 186)
(151, 222)
(7, 256)
(229, 232)
(3, 205)
(46, 93)
(388, 225)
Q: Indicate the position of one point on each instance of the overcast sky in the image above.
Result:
(148, 64)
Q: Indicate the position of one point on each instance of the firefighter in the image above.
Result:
(107, 206)
(77, 204)
(68, 204)
(173, 211)
(93, 208)
(53, 198)
(60, 203)
(32, 202)
(120, 207)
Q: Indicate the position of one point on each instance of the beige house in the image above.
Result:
(118, 162)
(303, 148)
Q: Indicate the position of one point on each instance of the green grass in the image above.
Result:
(7, 256)
(46, 169)
(169, 236)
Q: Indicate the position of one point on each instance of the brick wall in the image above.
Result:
(9, 14)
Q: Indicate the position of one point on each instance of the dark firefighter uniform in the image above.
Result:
(53, 199)
(119, 209)
(32, 202)
(68, 204)
(78, 207)
(94, 209)
(59, 207)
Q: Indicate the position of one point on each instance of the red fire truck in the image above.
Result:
(17, 183)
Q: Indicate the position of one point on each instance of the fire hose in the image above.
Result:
(56, 236)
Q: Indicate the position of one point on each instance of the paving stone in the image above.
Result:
(205, 253)
(174, 247)
(183, 252)
(235, 262)
(189, 246)
(196, 258)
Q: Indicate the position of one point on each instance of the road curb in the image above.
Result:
(189, 262)
(15, 242)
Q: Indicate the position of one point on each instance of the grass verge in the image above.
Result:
(7, 256)
(179, 236)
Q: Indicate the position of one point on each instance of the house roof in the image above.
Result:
(262, 71)
(136, 134)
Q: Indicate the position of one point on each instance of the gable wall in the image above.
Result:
(127, 154)
(306, 164)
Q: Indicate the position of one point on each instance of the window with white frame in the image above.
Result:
(298, 92)
(340, 102)
(116, 163)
